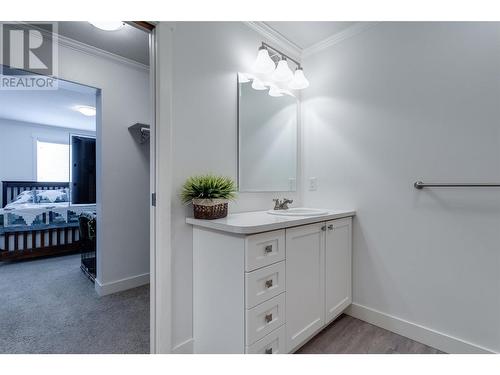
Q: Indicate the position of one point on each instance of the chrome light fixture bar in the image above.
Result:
(283, 55)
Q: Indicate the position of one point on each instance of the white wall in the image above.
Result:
(17, 147)
(206, 59)
(123, 170)
(399, 103)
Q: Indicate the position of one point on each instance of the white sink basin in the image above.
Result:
(298, 212)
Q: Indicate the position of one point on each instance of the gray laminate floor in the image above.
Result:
(49, 306)
(348, 335)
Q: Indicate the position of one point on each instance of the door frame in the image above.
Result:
(160, 79)
(162, 271)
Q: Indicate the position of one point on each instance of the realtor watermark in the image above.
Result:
(28, 56)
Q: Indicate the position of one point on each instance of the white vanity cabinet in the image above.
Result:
(338, 267)
(305, 283)
(268, 292)
(319, 274)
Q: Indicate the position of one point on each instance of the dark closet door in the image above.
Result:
(83, 170)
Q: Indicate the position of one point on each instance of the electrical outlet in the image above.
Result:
(313, 184)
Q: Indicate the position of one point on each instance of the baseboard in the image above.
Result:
(186, 347)
(103, 289)
(424, 335)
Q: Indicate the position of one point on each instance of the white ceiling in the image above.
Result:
(305, 34)
(50, 107)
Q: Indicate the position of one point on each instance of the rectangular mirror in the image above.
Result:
(267, 140)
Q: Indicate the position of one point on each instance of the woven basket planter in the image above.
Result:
(210, 209)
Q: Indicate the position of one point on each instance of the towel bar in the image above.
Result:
(420, 185)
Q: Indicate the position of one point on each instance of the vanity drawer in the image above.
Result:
(264, 283)
(264, 318)
(273, 343)
(263, 249)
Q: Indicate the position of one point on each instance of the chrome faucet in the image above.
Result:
(282, 205)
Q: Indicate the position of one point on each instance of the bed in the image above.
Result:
(36, 219)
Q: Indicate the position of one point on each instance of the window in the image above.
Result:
(52, 162)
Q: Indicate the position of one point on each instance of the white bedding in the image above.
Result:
(30, 211)
(26, 206)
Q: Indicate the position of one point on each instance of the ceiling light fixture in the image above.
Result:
(107, 25)
(86, 110)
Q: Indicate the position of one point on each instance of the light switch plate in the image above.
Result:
(313, 184)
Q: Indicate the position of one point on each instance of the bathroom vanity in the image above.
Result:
(266, 283)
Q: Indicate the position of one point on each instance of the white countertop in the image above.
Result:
(261, 221)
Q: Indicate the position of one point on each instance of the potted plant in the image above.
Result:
(209, 194)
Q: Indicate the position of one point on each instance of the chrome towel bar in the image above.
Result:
(420, 185)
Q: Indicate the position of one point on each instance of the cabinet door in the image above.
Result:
(338, 267)
(305, 281)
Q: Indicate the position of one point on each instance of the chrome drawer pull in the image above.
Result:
(323, 228)
(330, 227)
(269, 318)
(268, 249)
(269, 351)
(269, 283)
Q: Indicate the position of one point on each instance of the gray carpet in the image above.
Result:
(49, 306)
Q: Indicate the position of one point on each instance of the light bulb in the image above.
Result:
(299, 80)
(282, 72)
(258, 85)
(107, 25)
(274, 91)
(263, 64)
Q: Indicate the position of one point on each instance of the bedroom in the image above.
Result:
(69, 160)
(40, 134)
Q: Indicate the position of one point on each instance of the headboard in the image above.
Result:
(11, 189)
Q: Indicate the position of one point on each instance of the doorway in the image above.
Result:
(90, 318)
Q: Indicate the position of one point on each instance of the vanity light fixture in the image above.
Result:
(107, 25)
(86, 110)
(278, 77)
(299, 80)
(263, 63)
(282, 72)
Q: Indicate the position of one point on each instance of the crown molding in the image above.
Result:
(91, 50)
(347, 33)
(276, 38)
(294, 50)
